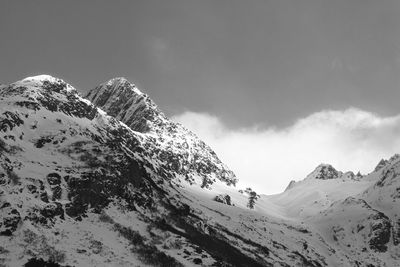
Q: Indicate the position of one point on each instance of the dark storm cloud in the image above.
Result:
(249, 62)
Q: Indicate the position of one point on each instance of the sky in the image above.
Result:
(256, 70)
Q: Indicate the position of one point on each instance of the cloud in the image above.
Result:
(267, 159)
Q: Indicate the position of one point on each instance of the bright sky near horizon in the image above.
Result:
(262, 74)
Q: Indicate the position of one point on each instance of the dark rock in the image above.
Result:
(382, 163)
(325, 172)
(28, 104)
(197, 261)
(224, 198)
(9, 220)
(54, 178)
(42, 141)
(57, 191)
(44, 197)
(10, 121)
(380, 232)
(52, 210)
(32, 188)
(3, 179)
(33, 262)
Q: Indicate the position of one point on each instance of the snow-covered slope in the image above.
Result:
(124, 186)
(322, 187)
(357, 215)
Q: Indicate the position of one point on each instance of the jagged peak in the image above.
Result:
(384, 162)
(115, 90)
(124, 101)
(324, 172)
(394, 157)
(119, 80)
(120, 83)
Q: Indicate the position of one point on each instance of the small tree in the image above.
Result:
(253, 197)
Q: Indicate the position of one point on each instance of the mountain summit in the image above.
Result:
(124, 101)
(171, 142)
(323, 172)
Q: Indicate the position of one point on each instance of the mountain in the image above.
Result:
(357, 215)
(164, 140)
(109, 180)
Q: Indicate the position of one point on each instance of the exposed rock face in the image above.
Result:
(122, 100)
(382, 163)
(385, 162)
(177, 148)
(9, 219)
(380, 232)
(224, 198)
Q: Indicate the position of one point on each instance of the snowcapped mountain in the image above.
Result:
(358, 215)
(111, 181)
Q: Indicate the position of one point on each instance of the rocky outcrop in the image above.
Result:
(122, 100)
(324, 172)
(380, 232)
(224, 199)
(385, 162)
(9, 219)
(176, 148)
(382, 163)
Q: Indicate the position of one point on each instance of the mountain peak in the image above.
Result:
(121, 83)
(38, 88)
(41, 77)
(119, 80)
(384, 162)
(124, 101)
(324, 172)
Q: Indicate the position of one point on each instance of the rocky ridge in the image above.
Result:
(186, 154)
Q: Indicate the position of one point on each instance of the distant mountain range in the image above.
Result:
(108, 180)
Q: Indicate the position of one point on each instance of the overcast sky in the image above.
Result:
(253, 67)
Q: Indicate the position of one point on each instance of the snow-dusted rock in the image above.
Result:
(170, 142)
(324, 172)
